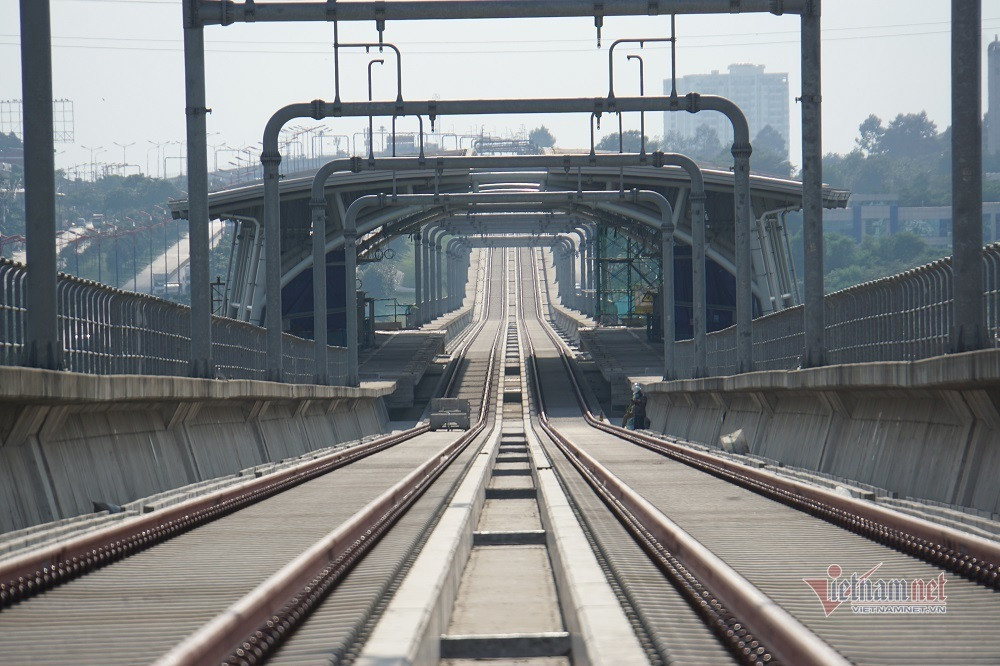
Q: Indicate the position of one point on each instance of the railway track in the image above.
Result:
(138, 590)
(543, 533)
(753, 547)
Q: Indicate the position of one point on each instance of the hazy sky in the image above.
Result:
(121, 63)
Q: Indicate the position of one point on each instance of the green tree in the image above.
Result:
(770, 154)
(541, 137)
(910, 135)
(629, 141)
(839, 252)
(870, 134)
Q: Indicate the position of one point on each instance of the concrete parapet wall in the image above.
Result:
(927, 429)
(67, 440)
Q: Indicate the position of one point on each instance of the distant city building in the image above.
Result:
(993, 97)
(762, 97)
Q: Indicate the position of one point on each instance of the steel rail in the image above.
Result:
(32, 573)
(25, 576)
(962, 553)
(724, 598)
(256, 624)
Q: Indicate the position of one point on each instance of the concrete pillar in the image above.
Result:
(857, 223)
(968, 328)
(893, 219)
(42, 348)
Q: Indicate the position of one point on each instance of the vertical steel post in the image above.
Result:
(425, 307)
(814, 353)
(743, 217)
(436, 275)
(967, 176)
(417, 277)
(667, 296)
(197, 159)
(700, 304)
(272, 264)
(320, 335)
(351, 296)
(42, 348)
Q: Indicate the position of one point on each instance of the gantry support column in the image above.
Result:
(351, 297)
(438, 310)
(418, 278)
(425, 250)
(320, 334)
(42, 348)
(968, 332)
(197, 166)
(814, 353)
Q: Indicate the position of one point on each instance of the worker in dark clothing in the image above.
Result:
(635, 414)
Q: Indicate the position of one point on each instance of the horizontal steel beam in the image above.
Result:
(319, 109)
(215, 12)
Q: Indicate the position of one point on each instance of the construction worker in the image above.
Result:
(635, 414)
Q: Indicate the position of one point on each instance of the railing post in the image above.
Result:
(967, 175)
(42, 348)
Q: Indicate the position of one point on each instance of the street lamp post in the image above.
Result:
(93, 151)
(124, 146)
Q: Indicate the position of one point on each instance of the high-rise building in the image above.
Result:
(762, 97)
(993, 97)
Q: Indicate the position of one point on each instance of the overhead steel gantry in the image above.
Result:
(44, 349)
(199, 13)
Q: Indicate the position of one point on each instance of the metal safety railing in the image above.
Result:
(108, 331)
(902, 317)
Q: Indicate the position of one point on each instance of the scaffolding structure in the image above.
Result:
(627, 280)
